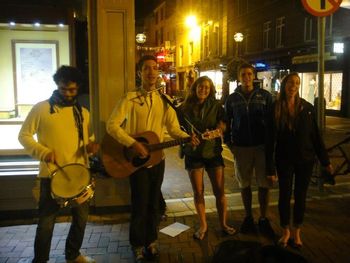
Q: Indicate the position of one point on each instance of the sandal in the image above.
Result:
(200, 235)
(284, 244)
(230, 231)
(295, 245)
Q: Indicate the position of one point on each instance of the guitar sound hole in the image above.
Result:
(137, 161)
(132, 157)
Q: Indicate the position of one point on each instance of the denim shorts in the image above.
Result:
(196, 163)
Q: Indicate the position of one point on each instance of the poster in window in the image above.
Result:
(34, 64)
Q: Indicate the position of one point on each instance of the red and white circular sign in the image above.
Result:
(321, 7)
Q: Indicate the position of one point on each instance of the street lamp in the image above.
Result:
(238, 37)
(140, 39)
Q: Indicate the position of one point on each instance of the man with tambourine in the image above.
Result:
(62, 144)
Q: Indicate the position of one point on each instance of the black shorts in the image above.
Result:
(196, 163)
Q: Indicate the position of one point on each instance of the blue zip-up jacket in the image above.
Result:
(247, 118)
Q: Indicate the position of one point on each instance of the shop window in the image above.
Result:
(216, 77)
(332, 88)
(30, 56)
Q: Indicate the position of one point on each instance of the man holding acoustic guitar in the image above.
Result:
(133, 146)
(63, 143)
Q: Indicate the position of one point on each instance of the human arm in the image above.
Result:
(229, 119)
(173, 127)
(317, 141)
(221, 120)
(270, 139)
(26, 135)
(118, 118)
(91, 146)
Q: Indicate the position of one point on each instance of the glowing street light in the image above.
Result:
(238, 37)
(191, 21)
(141, 38)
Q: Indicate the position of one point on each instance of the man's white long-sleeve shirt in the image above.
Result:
(136, 113)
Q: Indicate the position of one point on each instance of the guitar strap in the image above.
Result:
(179, 113)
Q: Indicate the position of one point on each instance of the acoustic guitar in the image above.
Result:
(121, 161)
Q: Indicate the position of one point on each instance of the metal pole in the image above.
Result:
(321, 47)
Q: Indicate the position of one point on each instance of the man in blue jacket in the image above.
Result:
(247, 109)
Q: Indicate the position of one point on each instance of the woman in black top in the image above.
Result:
(202, 112)
(297, 141)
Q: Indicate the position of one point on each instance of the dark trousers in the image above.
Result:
(301, 173)
(145, 186)
(48, 211)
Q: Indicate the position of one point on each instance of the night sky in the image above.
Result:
(143, 7)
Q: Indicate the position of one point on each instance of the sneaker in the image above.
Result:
(328, 178)
(265, 227)
(151, 252)
(138, 254)
(248, 225)
(81, 259)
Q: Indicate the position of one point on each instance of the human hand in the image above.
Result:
(330, 169)
(140, 149)
(50, 157)
(222, 126)
(194, 140)
(92, 148)
(272, 179)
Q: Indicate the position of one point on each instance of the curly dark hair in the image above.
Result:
(67, 74)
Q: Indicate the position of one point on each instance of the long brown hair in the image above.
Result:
(192, 99)
(282, 115)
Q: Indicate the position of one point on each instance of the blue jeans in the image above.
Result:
(48, 211)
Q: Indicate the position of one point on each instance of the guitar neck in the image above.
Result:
(163, 145)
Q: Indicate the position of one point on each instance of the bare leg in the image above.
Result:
(246, 194)
(283, 241)
(296, 236)
(196, 177)
(217, 179)
(263, 196)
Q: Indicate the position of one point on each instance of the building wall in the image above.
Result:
(250, 16)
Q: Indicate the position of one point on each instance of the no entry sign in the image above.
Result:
(321, 7)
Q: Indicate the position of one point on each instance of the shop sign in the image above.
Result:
(311, 58)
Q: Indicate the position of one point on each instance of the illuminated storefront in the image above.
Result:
(216, 76)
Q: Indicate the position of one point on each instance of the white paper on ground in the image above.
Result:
(174, 229)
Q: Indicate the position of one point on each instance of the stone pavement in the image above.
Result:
(326, 234)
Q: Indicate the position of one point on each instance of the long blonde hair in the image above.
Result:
(282, 115)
